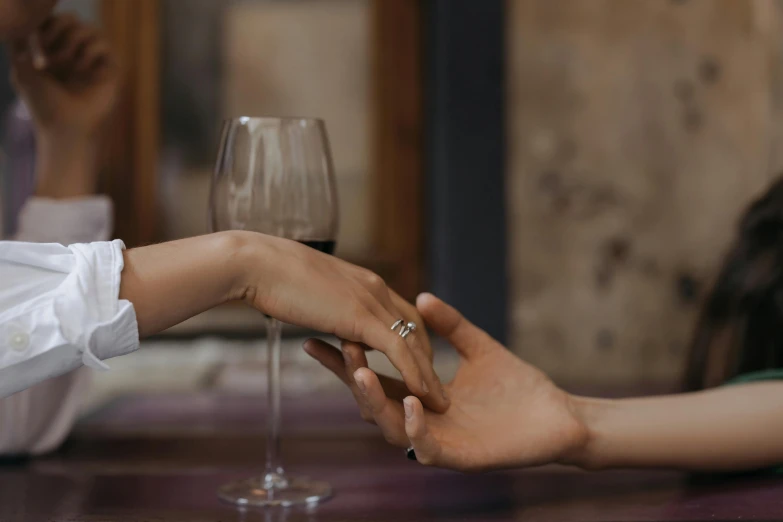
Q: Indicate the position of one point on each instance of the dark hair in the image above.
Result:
(741, 325)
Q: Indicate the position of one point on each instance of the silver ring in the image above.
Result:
(410, 327)
(405, 329)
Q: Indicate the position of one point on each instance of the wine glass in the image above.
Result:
(275, 176)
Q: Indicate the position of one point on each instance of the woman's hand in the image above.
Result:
(353, 358)
(171, 282)
(306, 287)
(70, 95)
(504, 413)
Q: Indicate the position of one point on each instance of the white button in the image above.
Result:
(19, 341)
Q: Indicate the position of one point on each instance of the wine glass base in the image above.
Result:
(298, 491)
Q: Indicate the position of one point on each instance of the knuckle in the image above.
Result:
(373, 280)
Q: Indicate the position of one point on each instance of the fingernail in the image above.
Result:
(424, 387)
(408, 409)
(360, 384)
(347, 357)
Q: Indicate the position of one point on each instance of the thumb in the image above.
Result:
(446, 321)
(425, 445)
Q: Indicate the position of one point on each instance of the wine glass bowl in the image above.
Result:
(275, 176)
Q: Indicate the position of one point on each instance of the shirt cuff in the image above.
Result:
(120, 336)
(66, 221)
(113, 330)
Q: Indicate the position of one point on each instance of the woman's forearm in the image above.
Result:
(725, 429)
(284, 279)
(171, 282)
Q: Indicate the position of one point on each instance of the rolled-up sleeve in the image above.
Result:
(59, 310)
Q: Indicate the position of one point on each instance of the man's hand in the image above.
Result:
(503, 413)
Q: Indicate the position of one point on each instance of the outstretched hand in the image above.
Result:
(503, 413)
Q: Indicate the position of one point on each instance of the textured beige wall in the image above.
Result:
(637, 133)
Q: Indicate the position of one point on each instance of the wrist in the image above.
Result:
(246, 255)
(68, 128)
(66, 138)
(591, 414)
(67, 166)
(171, 282)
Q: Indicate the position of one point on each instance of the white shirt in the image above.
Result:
(59, 311)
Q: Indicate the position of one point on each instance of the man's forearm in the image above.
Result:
(171, 282)
(725, 429)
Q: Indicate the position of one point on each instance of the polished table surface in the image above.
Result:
(161, 458)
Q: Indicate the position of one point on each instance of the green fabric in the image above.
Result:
(765, 375)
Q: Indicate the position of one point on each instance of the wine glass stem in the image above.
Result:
(275, 475)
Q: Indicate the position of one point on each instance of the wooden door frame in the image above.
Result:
(133, 149)
(399, 143)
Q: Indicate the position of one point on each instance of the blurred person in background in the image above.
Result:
(505, 413)
(65, 307)
(69, 98)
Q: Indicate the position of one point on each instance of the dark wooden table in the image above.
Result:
(161, 458)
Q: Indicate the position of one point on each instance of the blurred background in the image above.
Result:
(566, 173)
